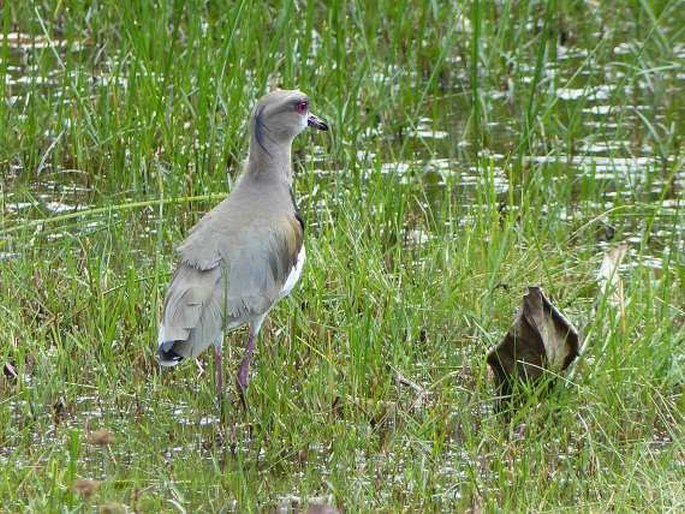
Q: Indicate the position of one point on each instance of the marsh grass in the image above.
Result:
(135, 113)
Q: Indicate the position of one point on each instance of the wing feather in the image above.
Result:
(191, 319)
(237, 281)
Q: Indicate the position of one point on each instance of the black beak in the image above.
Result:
(316, 122)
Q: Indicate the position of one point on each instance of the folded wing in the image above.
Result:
(236, 282)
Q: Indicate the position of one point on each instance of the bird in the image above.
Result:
(245, 254)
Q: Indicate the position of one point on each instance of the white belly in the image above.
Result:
(295, 274)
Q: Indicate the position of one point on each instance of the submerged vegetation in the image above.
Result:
(476, 149)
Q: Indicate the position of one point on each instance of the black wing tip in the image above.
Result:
(167, 356)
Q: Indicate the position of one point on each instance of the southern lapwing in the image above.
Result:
(246, 253)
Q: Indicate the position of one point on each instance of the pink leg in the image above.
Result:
(219, 374)
(244, 369)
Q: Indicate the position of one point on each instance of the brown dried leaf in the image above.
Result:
(540, 339)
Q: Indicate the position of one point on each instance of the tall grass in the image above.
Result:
(136, 113)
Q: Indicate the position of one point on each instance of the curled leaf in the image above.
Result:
(540, 339)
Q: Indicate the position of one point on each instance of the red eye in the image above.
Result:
(302, 107)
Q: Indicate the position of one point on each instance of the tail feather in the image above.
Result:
(192, 318)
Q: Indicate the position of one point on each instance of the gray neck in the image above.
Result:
(269, 160)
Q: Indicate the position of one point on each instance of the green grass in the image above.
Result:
(144, 114)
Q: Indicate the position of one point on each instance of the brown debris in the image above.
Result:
(59, 411)
(540, 339)
(86, 487)
(10, 371)
(100, 438)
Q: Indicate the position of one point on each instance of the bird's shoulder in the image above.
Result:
(248, 224)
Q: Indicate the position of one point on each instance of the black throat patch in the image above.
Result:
(260, 129)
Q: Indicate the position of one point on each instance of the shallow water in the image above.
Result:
(629, 169)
